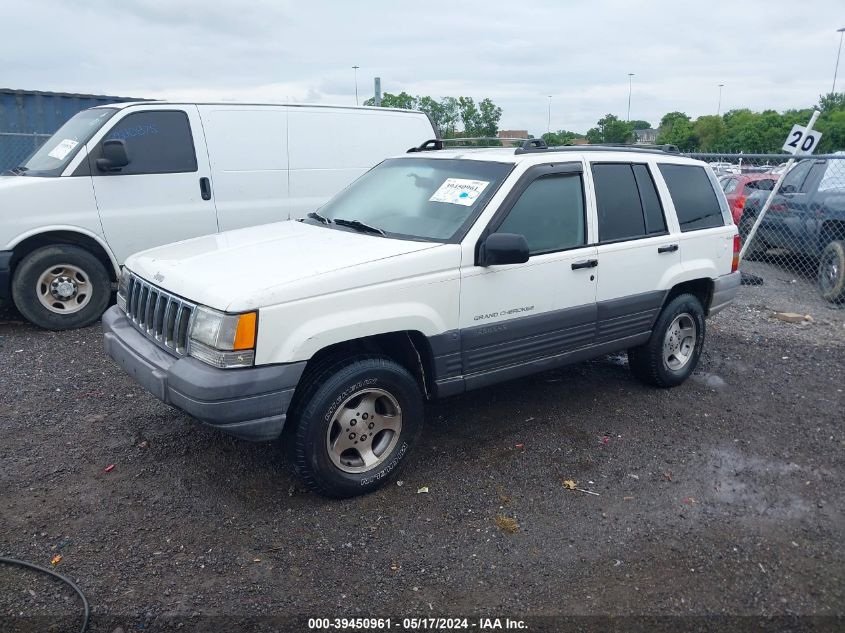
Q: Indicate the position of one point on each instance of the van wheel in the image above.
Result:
(354, 425)
(61, 287)
(671, 354)
(832, 272)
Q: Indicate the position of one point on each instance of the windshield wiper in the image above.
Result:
(316, 216)
(359, 226)
(18, 170)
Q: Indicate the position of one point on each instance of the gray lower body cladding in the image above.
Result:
(725, 289)
(6, 275)
(249, 403)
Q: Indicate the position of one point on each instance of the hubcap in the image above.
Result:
(828, 272)
(64, 289)
(679, 342)
(364, 430)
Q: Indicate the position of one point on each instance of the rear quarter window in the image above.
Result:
(693, 196)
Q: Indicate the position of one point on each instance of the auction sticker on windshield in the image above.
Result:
(459, 191)
(62, 149)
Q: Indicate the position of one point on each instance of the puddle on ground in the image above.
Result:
(711, 381)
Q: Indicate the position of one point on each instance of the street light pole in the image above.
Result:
(549, 123)
(630, 75)
(836, 69)
(719, 107)
(355, 68)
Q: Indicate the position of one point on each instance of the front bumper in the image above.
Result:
(725, 289)
(6, 275)
(248, 403)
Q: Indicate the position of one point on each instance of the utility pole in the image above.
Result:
(719, 107)
(836, 69)
(549, 123)
(355, 68)
(630, 75)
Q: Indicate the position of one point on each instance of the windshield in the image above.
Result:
(52, 157)
(418, 198)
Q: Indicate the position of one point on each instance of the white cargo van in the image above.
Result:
(122, 178)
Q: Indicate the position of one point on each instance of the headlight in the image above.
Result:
(122, 288)
(223, 340)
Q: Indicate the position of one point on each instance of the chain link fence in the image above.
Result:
(802, 233)
(16, 147)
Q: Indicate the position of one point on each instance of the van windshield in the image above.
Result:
(54, 155)
(416, 198)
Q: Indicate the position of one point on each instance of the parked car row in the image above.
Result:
(806, 218)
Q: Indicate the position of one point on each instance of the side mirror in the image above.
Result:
(115, 157)
(503, 248)
(788, 189)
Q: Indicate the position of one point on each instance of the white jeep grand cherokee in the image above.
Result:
(436, 272)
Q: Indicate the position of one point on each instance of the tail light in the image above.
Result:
(735, 260)
(740, 203)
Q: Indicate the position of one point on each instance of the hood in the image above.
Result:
(263, 265)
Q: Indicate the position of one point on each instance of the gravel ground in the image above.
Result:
(722, 497)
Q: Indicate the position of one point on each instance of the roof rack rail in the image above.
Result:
(438, 143)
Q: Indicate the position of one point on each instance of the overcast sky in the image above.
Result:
(772, 54)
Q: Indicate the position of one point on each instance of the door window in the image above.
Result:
(692, 193)
(729, 185)
(627, 202)
(157, 142)
(550, 214)
(794, 180)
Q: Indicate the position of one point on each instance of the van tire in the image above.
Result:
(313, 424)
(70, 267)
(648, 362)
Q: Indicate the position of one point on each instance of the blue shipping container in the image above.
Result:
(29, 117)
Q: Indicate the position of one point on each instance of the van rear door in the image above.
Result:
(164, 193)
(248, 151)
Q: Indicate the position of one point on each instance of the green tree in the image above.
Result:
(676, 129)
(610, 129)
(470, 116)
(451, 116)
(710, 131)
(639, 124)
(489, 115)
(561, 137)
(402, 100)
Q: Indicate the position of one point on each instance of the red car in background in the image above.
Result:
(739, 186)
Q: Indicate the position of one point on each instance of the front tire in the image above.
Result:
(671, 354)
(831, 277)
(61, 287)
(353, 426)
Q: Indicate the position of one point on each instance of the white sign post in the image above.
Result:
(801, 140)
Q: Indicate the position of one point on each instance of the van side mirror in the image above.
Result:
(788, 189)
(503, 248)
(115, 157)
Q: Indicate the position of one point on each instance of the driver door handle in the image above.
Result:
(205, 188)
(669, 248)
(587, 263)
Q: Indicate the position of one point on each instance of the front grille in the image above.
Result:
(159, 315)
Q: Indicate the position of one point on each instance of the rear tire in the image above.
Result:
(671, 353)
(831, 277)
(61, 287)
(354, 424)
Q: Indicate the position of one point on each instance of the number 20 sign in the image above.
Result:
(801, 140)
